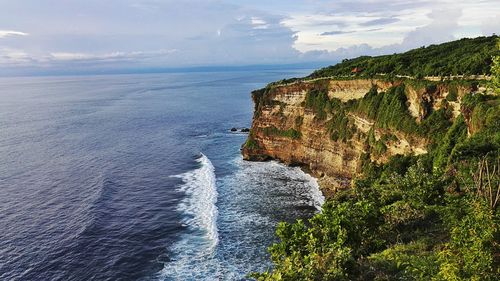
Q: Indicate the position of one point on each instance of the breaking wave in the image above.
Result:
(199, 212)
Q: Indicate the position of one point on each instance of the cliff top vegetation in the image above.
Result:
(461, 57)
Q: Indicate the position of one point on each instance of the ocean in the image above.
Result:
(138, 177)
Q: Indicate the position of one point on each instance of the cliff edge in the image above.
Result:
(333, 127)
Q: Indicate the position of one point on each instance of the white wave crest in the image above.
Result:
(200, 215)
(199, 205)
(315, 193)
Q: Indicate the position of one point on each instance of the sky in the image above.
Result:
(49, 36)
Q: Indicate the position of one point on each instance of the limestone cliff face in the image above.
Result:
(285, 129)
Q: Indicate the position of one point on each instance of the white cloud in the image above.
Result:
(113, 56)
(400, 25)
(441, 28)
(348, 29)
(17, 57)
(10, 56)
(413, 29)
(6, 33)
(259, 23)
(491, 25)
(130, 31)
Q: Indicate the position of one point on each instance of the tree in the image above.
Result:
(495, 72)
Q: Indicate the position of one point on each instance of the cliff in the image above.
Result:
(420, 156)
(333, 127)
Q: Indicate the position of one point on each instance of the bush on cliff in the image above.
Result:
(289, 133)
(251, 143)
(318, 101)
(387, 109)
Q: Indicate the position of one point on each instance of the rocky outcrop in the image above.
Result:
(286, 129)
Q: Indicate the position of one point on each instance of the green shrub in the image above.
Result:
(289, 133)
(435, 125)
(380, 147)
(470, 253)
(483, 115)
(340, 127)
(453, 93)
(455, 135)
(251, 143)
(388, 110)
(334, 243)
(412, 261)
(326, 248)
(397, 164)
(292, 133)
(318, 101)
(495, 72)
(478, 145)
(369, 105)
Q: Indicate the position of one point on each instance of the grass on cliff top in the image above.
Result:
(467, 56)
(464, 56)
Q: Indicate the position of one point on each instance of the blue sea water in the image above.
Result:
(137, 177)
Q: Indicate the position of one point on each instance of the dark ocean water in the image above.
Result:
(137, 177)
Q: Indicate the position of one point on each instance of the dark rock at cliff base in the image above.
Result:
(245, 130)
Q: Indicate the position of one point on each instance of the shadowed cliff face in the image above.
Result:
(331, 127)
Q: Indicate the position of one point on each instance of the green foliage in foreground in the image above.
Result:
(401, 227)
(465, 56)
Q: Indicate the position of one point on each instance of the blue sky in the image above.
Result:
(92, 35)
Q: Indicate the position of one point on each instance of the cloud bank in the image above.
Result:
(6, 33)
(96, 34)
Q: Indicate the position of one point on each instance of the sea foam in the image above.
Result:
(315, 192)
(253, 199)
(199, 212)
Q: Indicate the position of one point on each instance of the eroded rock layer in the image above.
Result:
(326, 127)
